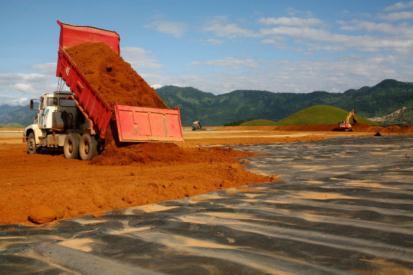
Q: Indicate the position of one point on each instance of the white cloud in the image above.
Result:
(384, 27)
(222, 28)
(140, 58)
(399, 6)
(277, 41)
(146, 64)
(156, 86)
(17, 88)
(361, 42)
(214, 41)
(176, 29)
(229, 62)
(290, 21)
(397, 16)
(311, 30)
(45, 68)
(23, 87)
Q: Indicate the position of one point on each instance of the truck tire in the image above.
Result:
(31, 144)
(71, 146)
(88, 147)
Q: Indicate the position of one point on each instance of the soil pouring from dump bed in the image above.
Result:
(111, 77)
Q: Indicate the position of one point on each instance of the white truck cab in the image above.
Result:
(59, 123)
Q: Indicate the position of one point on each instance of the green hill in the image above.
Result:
(318, 114)
(259, 122)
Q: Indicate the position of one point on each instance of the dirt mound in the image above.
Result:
(42, 214)
(111, 77)
(166, 153)
(390, 129)
(75, 188)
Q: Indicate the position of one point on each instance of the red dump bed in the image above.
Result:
(134, 123)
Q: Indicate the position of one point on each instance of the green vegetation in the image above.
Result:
(318, 114)
(242, 105)
(406, 117)
(402, 116)
(259, 122)
(235, 123)
(11, 125)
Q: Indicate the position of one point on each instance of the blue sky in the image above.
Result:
(218, 46)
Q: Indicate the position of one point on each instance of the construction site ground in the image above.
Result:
(47, 186)
(341, 202)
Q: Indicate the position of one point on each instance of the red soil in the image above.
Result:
(40, 188)
(166, 153)
(111, 77)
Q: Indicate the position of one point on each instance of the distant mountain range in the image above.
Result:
(16, 115)
(241, 105)
(377, 101)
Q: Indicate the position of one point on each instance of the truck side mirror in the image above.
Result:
(31, 104)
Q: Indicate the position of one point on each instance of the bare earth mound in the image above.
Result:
(74, 188)
(166, 153)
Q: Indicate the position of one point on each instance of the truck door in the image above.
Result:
(40, 116)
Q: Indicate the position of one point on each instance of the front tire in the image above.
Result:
(71, 146)
(88, 147)
(31, 144)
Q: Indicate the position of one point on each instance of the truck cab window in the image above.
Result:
(52, 101)
(67, 102)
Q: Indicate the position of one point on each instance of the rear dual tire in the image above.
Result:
(83, 147)
(88, 147)
(71, 146)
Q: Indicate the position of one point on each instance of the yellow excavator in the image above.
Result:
(347, 124)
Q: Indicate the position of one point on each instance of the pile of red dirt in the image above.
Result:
(113, 79)
(75, 188)
(166, 153)
(390, 129)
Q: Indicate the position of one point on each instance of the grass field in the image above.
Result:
(259, 122)
(318, 114)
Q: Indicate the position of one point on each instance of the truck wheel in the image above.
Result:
(88, 147)
(71, 146)
(31, 144)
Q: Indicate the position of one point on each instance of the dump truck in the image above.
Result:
(78, 120)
